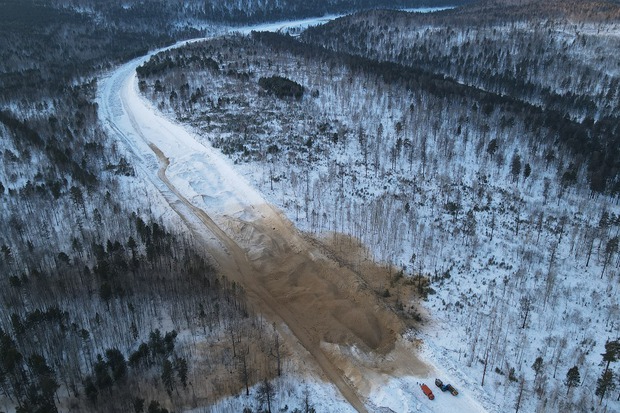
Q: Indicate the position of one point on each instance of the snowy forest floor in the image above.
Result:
(501, 250)
(332, 311)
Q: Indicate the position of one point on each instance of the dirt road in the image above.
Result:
(327, 306)
(286, 281)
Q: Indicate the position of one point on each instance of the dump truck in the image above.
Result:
(446, 387)
(427, 391)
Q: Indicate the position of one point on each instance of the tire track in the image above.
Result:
(235, 258)
(287, 276)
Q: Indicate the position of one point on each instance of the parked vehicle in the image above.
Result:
(427, 391)
(451, 389)
(446, 387)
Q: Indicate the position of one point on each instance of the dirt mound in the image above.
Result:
(327, 305)
(332, 303)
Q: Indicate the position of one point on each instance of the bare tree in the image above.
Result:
(265, 394)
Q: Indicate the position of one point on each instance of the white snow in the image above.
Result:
(205, 177)
(209, 180)
(289, 393)
(427, 9)
(212, 183)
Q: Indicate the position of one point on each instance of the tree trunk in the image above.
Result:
(245, 374)
(278, 359)
(527, 310)
(590, 251)
(518, 405)
(605, 266)
(486, 361)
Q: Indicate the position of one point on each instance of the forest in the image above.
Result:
(236, 11)
(526, 58)
(107, 301)
(95, 286)
(476, 191)
(476, 157)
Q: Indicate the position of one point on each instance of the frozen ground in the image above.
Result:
(204, 188)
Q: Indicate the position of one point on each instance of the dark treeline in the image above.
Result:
(89, 324)
(499, 10)
(534, 59)
(281, 87)
(594, 143)
(239, 12)
(44, 45)
(43, 48)
(534, 71)
(280, 10)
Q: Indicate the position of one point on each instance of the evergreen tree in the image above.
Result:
(138, 405)
(515, 166)
(117, 364)
(155, 407)
(167, 376)
(41, 388)
(604, 384)
(11, 367)
(103, 380)
(573, 378)
(610, 249)
(538, 365)
(181, 368)
(612, 352)
(91, 390)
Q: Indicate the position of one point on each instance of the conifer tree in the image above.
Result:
(573, 378)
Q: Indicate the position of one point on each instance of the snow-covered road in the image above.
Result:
(353, 339)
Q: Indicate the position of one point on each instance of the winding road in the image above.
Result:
(286, 277)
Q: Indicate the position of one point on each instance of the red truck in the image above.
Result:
(426, 390)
